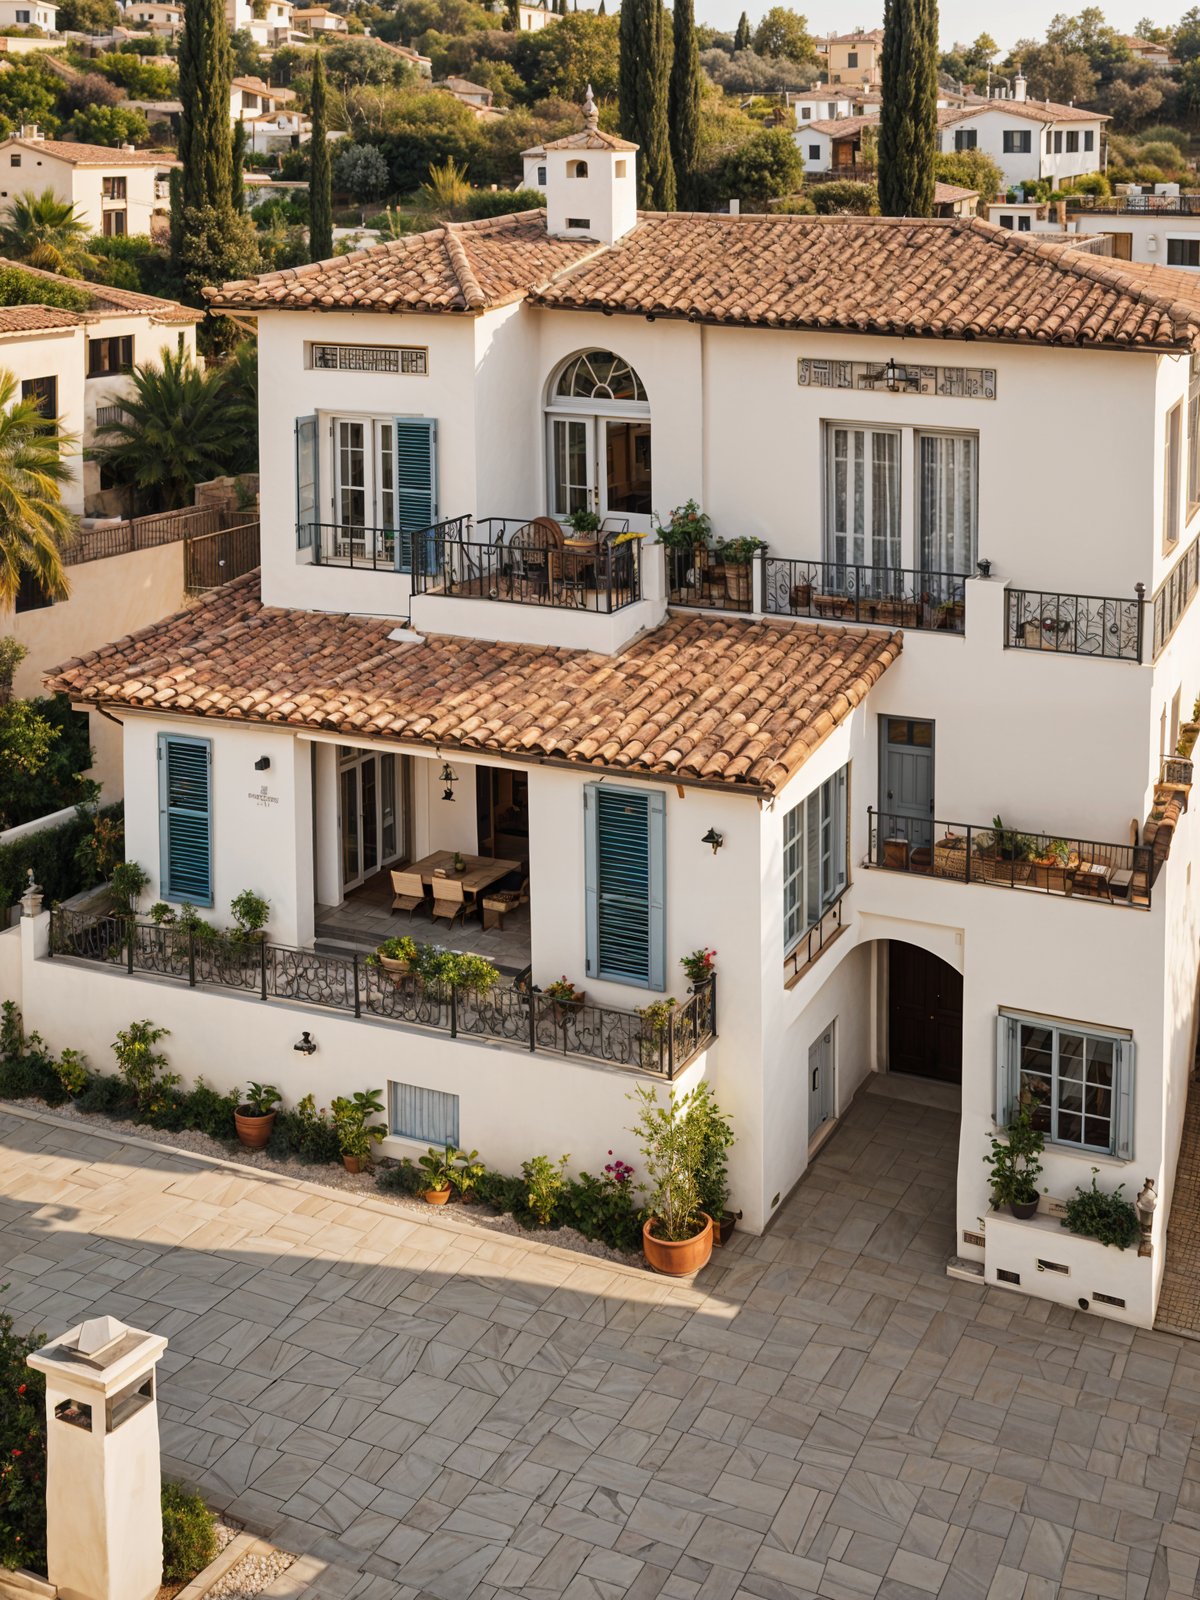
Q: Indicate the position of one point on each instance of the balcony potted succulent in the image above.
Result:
(438, 1167)
(255, 1120)
(1014, 1163)
(356, 1135)
(654, 1027)
(1052, 865)
(736, 555)
(677, 1237)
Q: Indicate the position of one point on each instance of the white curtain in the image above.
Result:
(949, 472)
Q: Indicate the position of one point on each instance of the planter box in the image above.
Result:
(1065, 1267)
(739, 581)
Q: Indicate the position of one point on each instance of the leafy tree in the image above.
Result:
(562, 61)
(643, 88)
(784, 33)
(111, 125)
(240, 376)
(741, 37)
(354, 61)
(361, 172)
(46, 232)
(746, 72)
(969, 169)
(89, 89)
(424, 129)
(28, 95)
(320, 185)
(1187, 35)
(141, 79)
(88, 16)
(766, 166)
(684, 103)
(237, 166)
(44, 752)
(982, 53)
(908, 130)
(247, 62)
(1089, 35)
(34, 524)
(178, 427)
(1056, 73)
(19, 288)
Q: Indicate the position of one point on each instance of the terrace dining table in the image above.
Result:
(479, 873)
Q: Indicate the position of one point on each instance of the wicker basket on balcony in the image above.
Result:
(950, 857)
(997, 869)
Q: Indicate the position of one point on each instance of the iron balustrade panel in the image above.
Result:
(310, 977)
(404, 998)
(892, 597)
(1174, 594)
(605, 580)
(1074, 624)
(351, 544)
(697, 578)
(1010, 857)
(1158, 205)
(87, 936)
(498, 1013)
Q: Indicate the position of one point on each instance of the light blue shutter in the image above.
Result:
(1007, 1068)
(307, 498)
(1123, 1111)
(625, 885)
(416, 482)
(185, 818)
(427, 1115)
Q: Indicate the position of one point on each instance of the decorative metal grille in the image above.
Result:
(407, 360)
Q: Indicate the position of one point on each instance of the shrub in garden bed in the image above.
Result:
(1107, 1218)
(189, 1534)
(22, 1452)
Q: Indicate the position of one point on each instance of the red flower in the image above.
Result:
(21, 1388)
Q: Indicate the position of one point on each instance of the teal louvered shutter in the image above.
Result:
(1123, 1112)
(307, 494)
(185, 818)
(1007, 1067)
(416, 482)
(625, 868)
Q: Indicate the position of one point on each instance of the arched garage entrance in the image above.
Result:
(924, 1014)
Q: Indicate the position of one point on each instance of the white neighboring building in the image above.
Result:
(532, 19)
(318, 19)
(821, 105)
(153, 16)
(798, 761)
(1154, 229)
(251, 97)
(29, 14)
(273, 27)
(1027, 139)
(115, 191)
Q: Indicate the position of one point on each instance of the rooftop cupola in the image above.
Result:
(591, 182)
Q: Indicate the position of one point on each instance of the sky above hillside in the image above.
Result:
(961, 19)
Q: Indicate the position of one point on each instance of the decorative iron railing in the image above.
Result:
(501, 564)
(1158, 205)
(1120, 874)
(514, 1014)
(1174, 595)
(698, 577)
(1075, 624)
(351, 544)
(896, 597)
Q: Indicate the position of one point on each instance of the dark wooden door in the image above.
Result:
(924, 1014)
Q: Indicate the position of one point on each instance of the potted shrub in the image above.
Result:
(128, 883)
(564, 997)
(712, 1178)
(250, 913)
(457, 969)
(465, 1175)
(677, 1237)
(438, 1168)
(584, 523)
(1107, 1218)
(397, 957)
(737, 555)
(655, 1020)
(255, 1120)
(1014, 1164)
(700, 967)
(686, 537)
(355, 1134)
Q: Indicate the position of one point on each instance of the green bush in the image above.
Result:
(19, 288)
(501, 1192)
(306, 1132)
(401, 1177)
(1107, 1218)
(1164, 133)
(27, 1069)
(189, 1534)
(1161, 154)
(22, 1452)
(843, 198)
(499, 202)
(603, 1208)
(52, 856)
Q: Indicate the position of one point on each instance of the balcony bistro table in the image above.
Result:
(479, 873)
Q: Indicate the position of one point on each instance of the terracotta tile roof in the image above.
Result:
(950, 278)
(724, 700)
(94, 155)
(589, 139)
(840, 127)
(945, 194)
(465, 266)
(109, 301)
(34, 319)
(1035, 110)
(267, 90)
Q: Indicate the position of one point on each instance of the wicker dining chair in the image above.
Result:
(449, 899)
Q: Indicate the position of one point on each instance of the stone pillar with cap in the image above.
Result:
(103, 1479)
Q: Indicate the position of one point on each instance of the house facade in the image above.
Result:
(28, 14)
(853, 58)
(318, 19)
(114, 191)
(901, 768)
(1027, 139)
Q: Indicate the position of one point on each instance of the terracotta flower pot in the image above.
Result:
(352, 1163)
(436, 1197)
(254, 1132)
(676, 1258)
(395, 966)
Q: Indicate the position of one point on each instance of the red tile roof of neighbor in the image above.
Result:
(37, 319)
(948, 278)
(107, 301)
(96, 155)
(723, 700)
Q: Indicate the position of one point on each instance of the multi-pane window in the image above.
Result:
(113, 188)
(107, 357)
(1017, 141)
(44, 392)
(1172, 458)
(862, 500)
(966, 139)
(814, 857)
(1076, 1080)
(1183, 252)
(1072, 144)
(430, 1116)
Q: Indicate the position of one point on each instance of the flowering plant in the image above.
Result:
(618, 1172)
(699, 965)
(562, 990)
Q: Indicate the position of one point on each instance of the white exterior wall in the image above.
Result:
(591, 194)
(28, 13)
(991, 124)
(57, 353)
(818, 107)
(83, 186)
(816, 148)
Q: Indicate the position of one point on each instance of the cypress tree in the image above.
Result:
(320, 171)
(908, 116)
(237, 185)
(600, 11)
(643, 90)
(741, 39)
(684, 104)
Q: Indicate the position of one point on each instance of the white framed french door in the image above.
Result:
(364, 483)
(862, 495)
(370, 812)
(600, 463)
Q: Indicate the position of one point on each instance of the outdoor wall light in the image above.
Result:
(449, 777)
(1146, 1203)
(262, 764)
(306, 1044)
(713, 838)
(984, 566)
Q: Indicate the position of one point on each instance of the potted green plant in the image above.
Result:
(127, 883)
(465, 1175)
(686, 535)
(584, 522)
(356, 1135)
(459, 864)
(1107, 1218)
(255, 1120)
(250, 914)
(712, 1172)
(398, 957)
(700, 967)
(456, 969)
(564, 997)
(654, 1025)
(737, 555)
(1014, 1164)
(677, 1237)
(438, 1167)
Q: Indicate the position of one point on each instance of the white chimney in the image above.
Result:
(129, 149)
(735, 208)
(1020, 87)
(30, 130)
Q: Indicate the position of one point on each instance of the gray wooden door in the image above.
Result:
(906, 781)
(820, 1082)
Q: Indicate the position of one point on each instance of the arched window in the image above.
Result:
(600, 375)
(577, 169)
(598, 444)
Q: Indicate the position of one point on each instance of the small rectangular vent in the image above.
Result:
(973, 1238)
(1053, 1266)
(1004, 1276)
(579, 222)
(1110, 1300)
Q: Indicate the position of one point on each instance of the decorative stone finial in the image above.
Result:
(31, 900)
(591, 117)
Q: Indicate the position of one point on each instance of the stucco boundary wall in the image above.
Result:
(513, 1103)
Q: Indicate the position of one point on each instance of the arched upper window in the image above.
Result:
(577, 169)
(599, 375)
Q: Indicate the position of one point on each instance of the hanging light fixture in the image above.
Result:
(713, 838)
(449, 777)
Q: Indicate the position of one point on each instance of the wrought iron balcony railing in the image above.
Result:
(1075, 624)
(1119, 874)
(895, 597)
(508, 560)
(351, 544)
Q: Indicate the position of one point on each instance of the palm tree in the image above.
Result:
(46, 232)
(34, 523)
(178, 428)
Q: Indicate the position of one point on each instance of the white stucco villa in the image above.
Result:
(797, 757)
(114, 191)
(1027, 139)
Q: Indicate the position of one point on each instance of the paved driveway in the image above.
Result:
(431, 1410)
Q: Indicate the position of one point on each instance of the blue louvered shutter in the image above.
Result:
(1123, 1120)
(185, 818)
(416, 482)
(1007, 1067)
(307, 496)
(625, 877)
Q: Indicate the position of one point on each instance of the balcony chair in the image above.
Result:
(449, 899)
(408, 892)
(497, 903)
(533, 547)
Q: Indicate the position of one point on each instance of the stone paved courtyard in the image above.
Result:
(426, 1409)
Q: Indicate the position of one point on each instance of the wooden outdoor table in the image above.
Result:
(481, 871)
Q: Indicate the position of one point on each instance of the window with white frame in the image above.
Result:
(429, 1116)
(864, 472)
(947, 509)
(966, 139)
(1183, 252)
(1089, 139)
(814, 857)
(1172, 457)
(1193, 436)
(1076, 1079)
(1072, 144)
